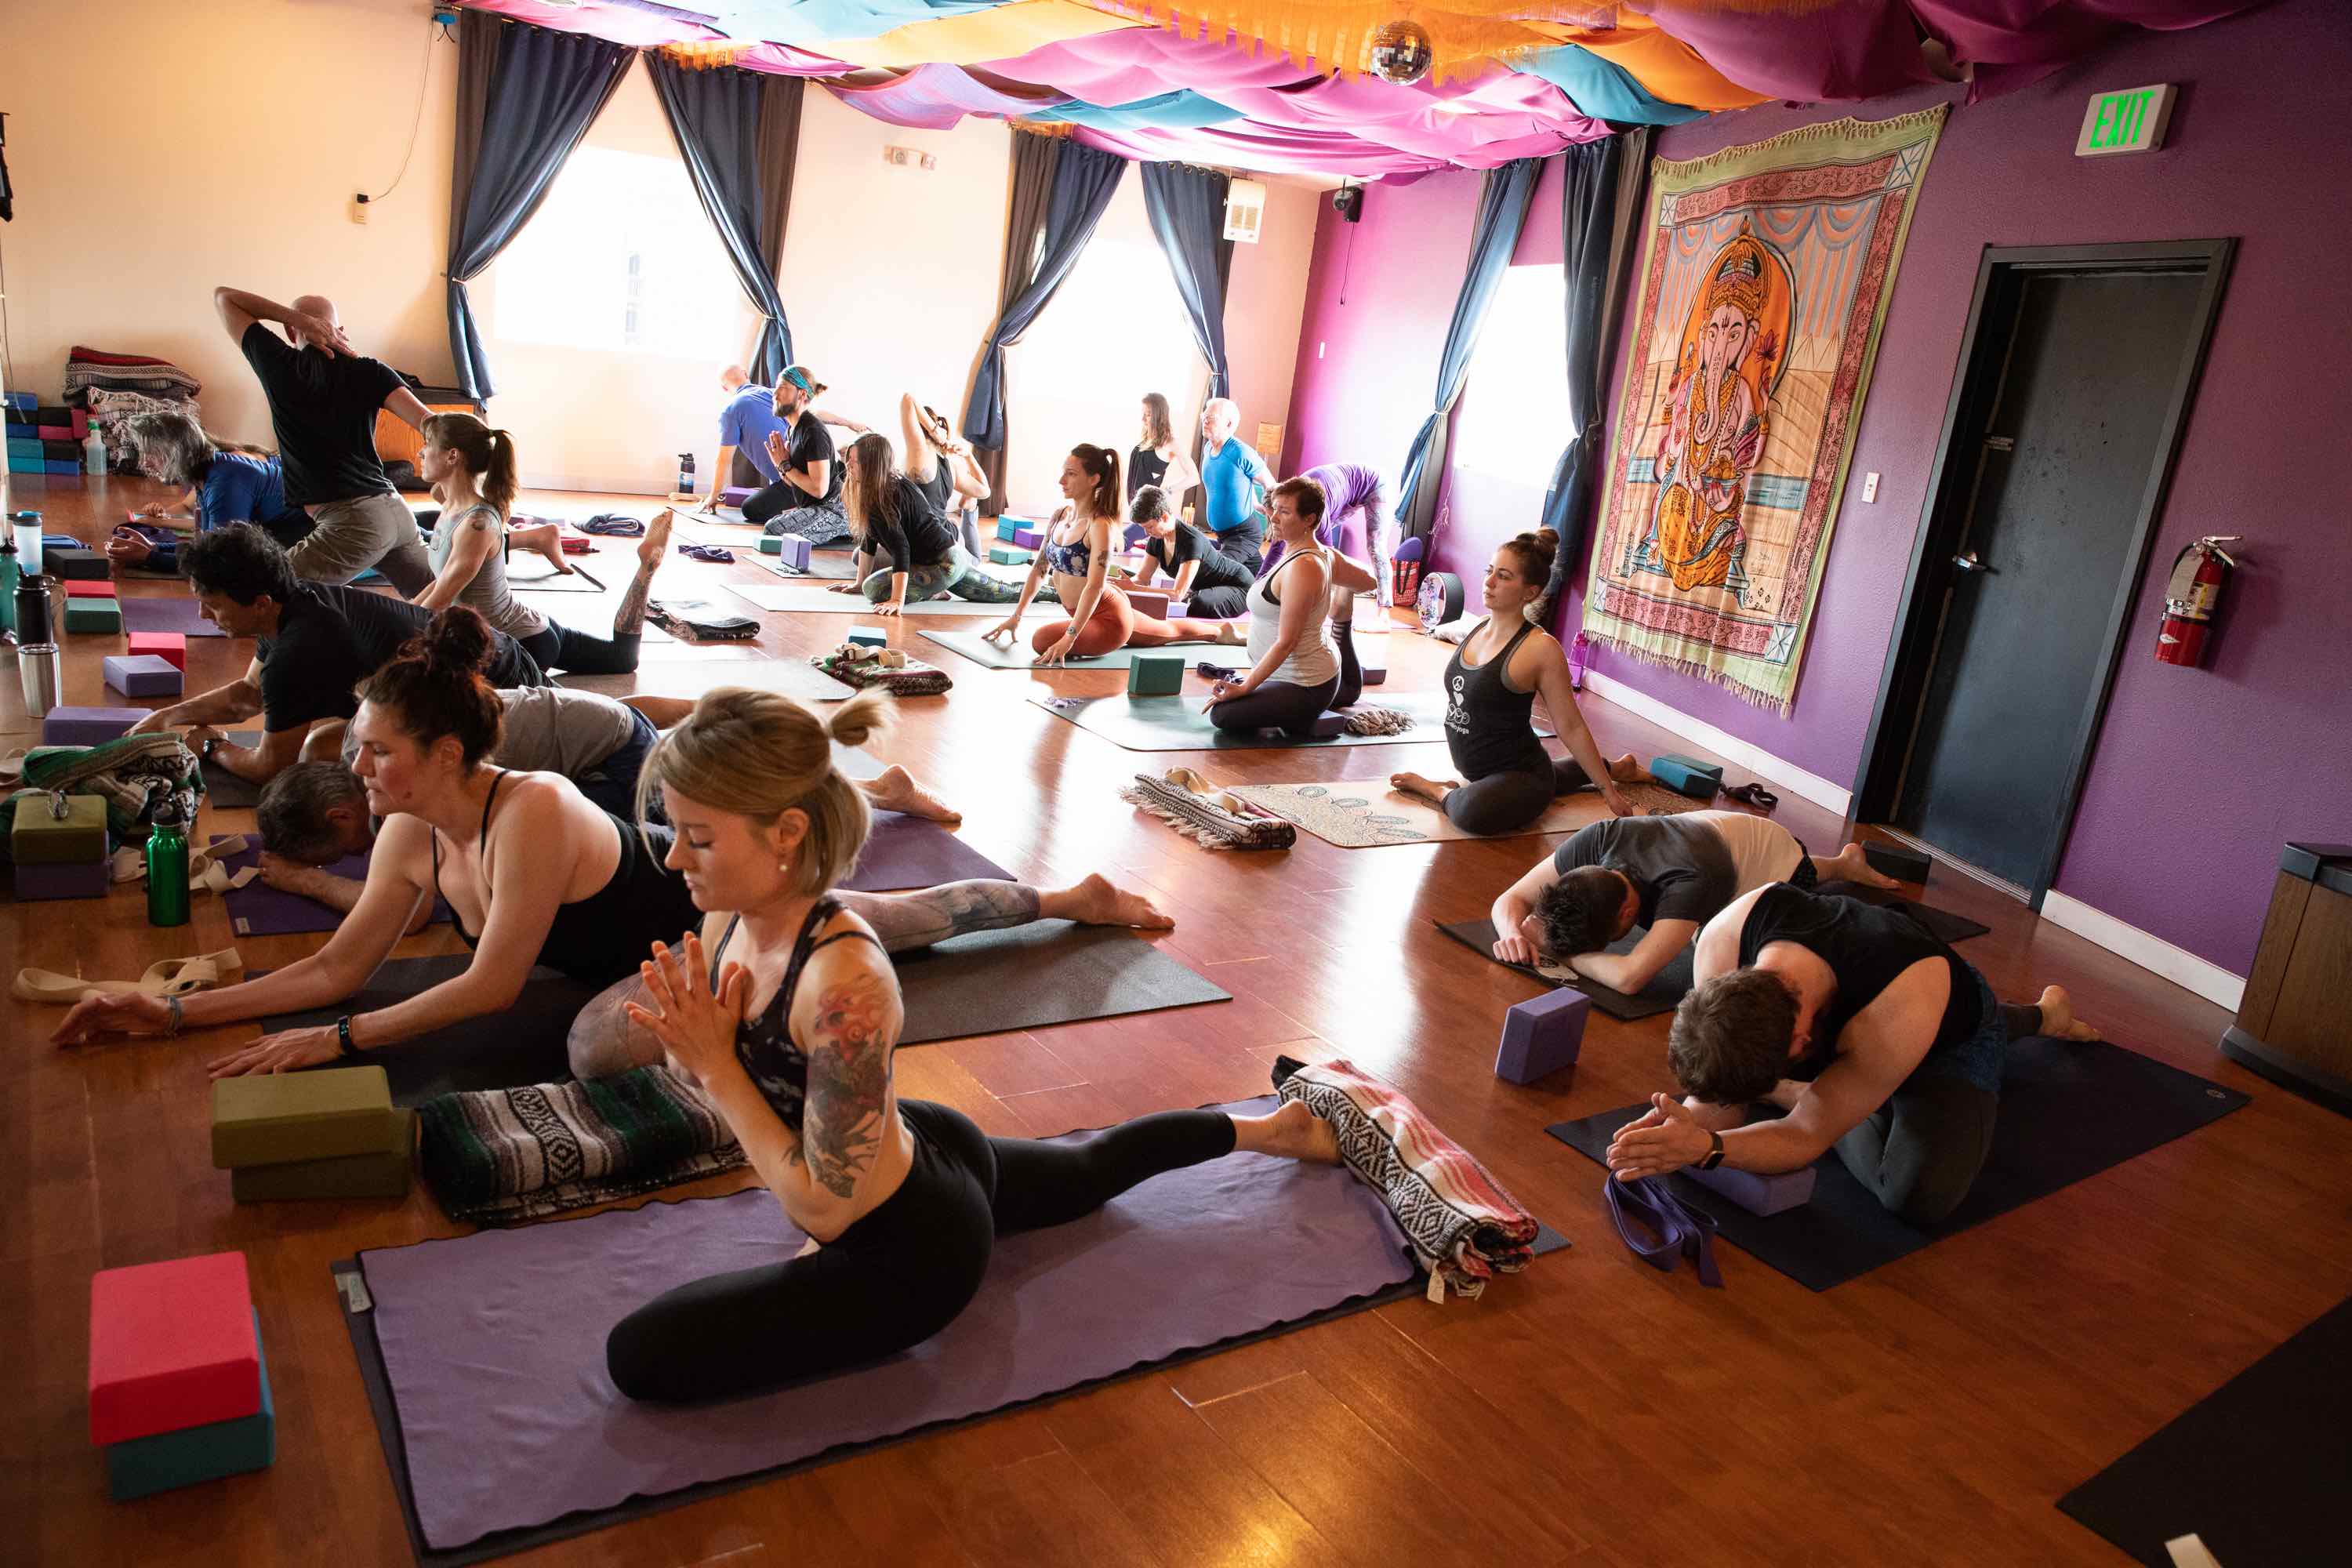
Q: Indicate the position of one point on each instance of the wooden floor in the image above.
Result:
(1590, 1410)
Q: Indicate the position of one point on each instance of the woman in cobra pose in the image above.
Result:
(786, 1010)
(905, 551)
(1491, 684)
(473, 467)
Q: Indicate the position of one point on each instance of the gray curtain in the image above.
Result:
(1494, 234)
(1188, 217)
(737, 131)
(1595, 224)
(529, 104)
(1035, 160)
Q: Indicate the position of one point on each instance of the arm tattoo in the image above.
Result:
(848, 1082)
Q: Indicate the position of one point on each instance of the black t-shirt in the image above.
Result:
(1680, 867)
(810, 444)
(918, 536)
(323, 408)
(1144, 467)
(1218, 570)
(1866, 947)
(331, 638)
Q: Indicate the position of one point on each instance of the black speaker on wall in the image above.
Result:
(1347, 201)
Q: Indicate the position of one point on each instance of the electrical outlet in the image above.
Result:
(1319, 350)
(930, 161)
(359, 207)
(1869, 488)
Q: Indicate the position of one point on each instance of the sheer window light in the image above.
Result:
(1513, 419)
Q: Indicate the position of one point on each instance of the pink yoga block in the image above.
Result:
(79, 879)
(1149, 603)
(1757, 1193)
(172, 1345)
(87, 726)
(141, 675)
(1542, 1036)
(172, 647)
(90, 588)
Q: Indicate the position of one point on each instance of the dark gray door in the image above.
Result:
(2069, 449)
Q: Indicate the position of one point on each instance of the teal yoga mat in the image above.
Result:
(997, 655)
(1177, 723)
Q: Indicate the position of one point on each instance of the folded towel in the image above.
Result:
(1461, 1222)
(499, 1156)
(613, 522)
(906, 677)
(718, 553)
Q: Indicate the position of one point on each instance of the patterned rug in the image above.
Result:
(1368, 814)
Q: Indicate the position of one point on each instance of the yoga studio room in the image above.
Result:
(1078, 783)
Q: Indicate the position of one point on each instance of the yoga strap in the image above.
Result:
(1681, 1232)
(165, 977)
(206, 872)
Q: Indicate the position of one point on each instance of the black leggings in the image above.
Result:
(558, 647)
(1218, 604)
(1919, 1153)
(1508, 801)
(1276, 705)
(1351, 674)
(1246, 541)
(902, 1273)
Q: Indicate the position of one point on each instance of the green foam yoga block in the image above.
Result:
(275, 1119)
(1156, 673)
(169, 1460)
(38, 837)
(94, 616)
(1687, 776)
(378, 1173)
(771, 544)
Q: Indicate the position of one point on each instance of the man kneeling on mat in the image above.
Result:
(1670, 875)
(1874, 1036)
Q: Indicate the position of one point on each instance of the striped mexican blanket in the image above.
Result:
(88, 368)
(500, 1156)
(1461, 1222)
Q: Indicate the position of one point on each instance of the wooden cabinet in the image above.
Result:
(398, 441)
(2294, 1024)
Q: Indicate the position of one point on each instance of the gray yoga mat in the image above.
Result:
(824, 565)
(167, 612)
(2068, 1110)
(1177, 723)
(1666, 988)
(1186, 1261)
(1030, 976)
(1019, 656)
(224, 788)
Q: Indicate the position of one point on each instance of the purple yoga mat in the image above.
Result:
(494, 1343)
(169, 612)
(257, 910)
(912, 852)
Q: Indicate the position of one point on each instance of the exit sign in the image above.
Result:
(2132, 121)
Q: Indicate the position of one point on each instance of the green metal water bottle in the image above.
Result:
(167, 869)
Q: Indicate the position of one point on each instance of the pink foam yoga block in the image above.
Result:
(172, 1345)
(1755, 1192)
(87, 726)
(1542, 1036)
(170, 645)
(1147, 603)
(79, 880)
(141, 675)
(89, 590)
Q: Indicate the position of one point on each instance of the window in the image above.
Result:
(620, 257)
(1514, 415)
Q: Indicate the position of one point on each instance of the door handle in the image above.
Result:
(1969, 562)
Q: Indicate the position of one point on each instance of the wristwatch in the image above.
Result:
(345, 1048)
(1714, 1156)
(212, 744)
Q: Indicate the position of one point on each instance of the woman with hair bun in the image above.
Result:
(1508, 780)
(787, 1011)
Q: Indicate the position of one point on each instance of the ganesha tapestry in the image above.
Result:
(1764, 280)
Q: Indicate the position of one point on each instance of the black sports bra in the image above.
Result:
(764, 1045)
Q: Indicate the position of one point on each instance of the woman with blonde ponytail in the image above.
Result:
(789, 1019)
(472, 467)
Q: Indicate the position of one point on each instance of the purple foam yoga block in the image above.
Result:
(77, 879)
(795, 552)
(734, 495)
(87, 726)
(142, 675)
(1028, 539)
(1329, 723)
(1542, 1036)
(1755, 1192)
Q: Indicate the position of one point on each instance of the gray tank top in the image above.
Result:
(488, 593)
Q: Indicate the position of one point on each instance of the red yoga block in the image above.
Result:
(86, 589)
(169, 646)
(172, 1345)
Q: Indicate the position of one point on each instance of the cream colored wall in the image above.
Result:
(1265, 300)
(159, 148)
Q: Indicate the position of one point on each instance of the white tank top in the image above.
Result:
(1315, 657)
(1762, 851)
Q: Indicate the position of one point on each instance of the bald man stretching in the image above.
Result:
(324, 398)
(1233, 482)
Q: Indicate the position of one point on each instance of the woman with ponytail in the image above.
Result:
(787, 1011)
(1508, 780)
(907, 551)
(472, 469)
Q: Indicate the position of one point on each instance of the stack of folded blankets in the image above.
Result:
(115, 387)
(178, 1391)
(58, 847)
(42, 439)
(333, 1133)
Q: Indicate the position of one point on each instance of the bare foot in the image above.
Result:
(1423, 788)
(1292, 1132)
(546, 539)
(656, 540)
(1628, 769)
(897, 790)
(1853, 866)
(2058, 1017)
(1099, 901)
(1229, 634)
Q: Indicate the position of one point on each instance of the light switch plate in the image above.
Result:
(1869, 488)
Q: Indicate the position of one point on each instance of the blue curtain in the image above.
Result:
(1502, 212)
(737, 132)
(1084, 180)
(543, 90)
(1188, 217)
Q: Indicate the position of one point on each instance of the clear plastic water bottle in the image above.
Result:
(93, 455)
(167, 867)
(26, 527)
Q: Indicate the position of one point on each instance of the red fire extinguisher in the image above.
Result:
(2191, 598)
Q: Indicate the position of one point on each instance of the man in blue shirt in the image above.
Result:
(1234, 478)
(746, 420)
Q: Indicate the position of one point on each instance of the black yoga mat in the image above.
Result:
(1666, 988)
(579, 580)
(522, 1045)
(174, 612)
(1177, 723)
(1030, 976)
(1018, 655)
(1942, 924)
(2256, 1469)
(224, 788)
(2068, 1110)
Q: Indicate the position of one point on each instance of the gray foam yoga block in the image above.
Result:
(1757, 1193)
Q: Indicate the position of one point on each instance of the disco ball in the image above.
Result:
(1401, 53)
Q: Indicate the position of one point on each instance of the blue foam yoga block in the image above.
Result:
(1542, 1036)
(1011, 555)
(869, 637)
(1755, 1192)
(169, 1460)
(1155, 672)
(1687, 776)
(141, 675)
(1006, 527)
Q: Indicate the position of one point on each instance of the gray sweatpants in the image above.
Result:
(352, 535)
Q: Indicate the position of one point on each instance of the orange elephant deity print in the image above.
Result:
(1717, 413)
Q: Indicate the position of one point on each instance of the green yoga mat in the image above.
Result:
(1177, 723)
(1018, 656)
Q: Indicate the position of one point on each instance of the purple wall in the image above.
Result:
(2200, 774)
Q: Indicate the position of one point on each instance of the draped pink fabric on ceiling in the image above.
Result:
(935, 97)
(2013, 43)
(1855, 49)
(1137, 63)
(1273, 151)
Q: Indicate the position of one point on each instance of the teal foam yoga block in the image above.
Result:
(1010, 555)
(94, 616)
(1157, 672)
(169, 1460)
(1006, 527)
(771, 544)
(1687, 776)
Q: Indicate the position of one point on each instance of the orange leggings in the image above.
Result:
(1107, 628)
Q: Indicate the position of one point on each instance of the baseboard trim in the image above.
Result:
(2150, 951)
(593, 484)
(1729, 747)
